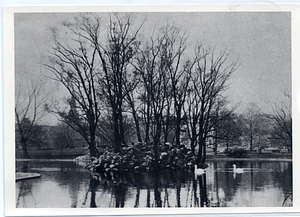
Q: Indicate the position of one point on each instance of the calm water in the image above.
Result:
(66, 184)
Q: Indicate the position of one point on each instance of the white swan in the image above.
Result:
(199, 171)
(237, 170)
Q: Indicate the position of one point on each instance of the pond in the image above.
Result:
(65, 184)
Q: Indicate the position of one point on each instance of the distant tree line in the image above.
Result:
(60, 137)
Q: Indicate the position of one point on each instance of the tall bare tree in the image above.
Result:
(115, 55)
(209, 79)
(179, 73)
(154, 88)
(74, 64)
(145, 64)
(29, 103)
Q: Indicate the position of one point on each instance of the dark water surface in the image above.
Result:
(65, 184)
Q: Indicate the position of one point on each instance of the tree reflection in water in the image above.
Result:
(201, 200)
(156, 183)
(25, 187)
(25, 194)
(203, 194)
(158, 188)
(288, 200)
(93, 186)
(178, 190)
(157, 196)
(120, 192)
(137, 200)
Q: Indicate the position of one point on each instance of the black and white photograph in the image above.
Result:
(180, 109)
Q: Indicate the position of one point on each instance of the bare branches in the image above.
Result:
(282, 120)
(158, 82)
(209, 76)
(73, 65)
(28, 110)
(95, 71)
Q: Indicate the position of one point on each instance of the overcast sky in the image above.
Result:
(259, 41)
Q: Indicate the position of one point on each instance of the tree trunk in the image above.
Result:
(199, 156)
(203, 152)
(178, 126)
(251, 142)
(216, 143)
(122, 134)
(137, 124)
(193, 147)
(156, 140)
(147, 129)
(193, 139)
(251, 136)
(24, 147)
(201, 135)
(166, 128)
(92, 146)
(167, 125)
(216, 149)
(117, 137)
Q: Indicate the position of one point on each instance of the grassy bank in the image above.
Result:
(52, 153)
(252, 157)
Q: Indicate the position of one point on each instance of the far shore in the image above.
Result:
(207, 160)
(71, 154)
(224, 158)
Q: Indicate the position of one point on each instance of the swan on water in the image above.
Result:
(199, 171)
(237, 170)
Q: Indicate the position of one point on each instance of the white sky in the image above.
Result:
(260, 41)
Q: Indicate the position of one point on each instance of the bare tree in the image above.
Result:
(209, 77)
(95, 69)
(130, 97)
(74, 64)
(66, 137)
(255, 128)
(192, 113)
(28, 110)
(226, 126)
(282, 121)
(144, 65)
(178, 72)
(251, 122)
(115, 56)
(154, 88)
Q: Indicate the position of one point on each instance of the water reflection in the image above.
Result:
(25, 194)
(69, 185)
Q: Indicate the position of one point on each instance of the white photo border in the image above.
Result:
(9, 117)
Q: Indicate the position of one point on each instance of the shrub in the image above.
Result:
(236, 152)
(139, 157)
